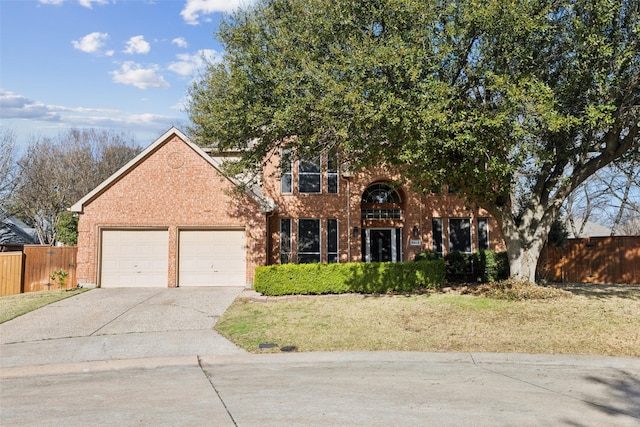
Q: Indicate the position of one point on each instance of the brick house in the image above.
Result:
(171, 217)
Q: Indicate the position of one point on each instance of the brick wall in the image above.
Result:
(418, 210)
(172, 187)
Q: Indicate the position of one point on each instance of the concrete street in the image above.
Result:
(151, 357)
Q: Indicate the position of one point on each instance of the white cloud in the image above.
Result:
(137, 44)
(28, 116)
(134, 74)
(188, 64)
(85, 3)
(15, 106)
(91, 43)
(89, 3)
(180, 42)
(194, 9)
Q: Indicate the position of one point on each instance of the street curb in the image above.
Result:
(97, 366)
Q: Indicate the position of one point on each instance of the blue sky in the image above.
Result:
(104, 64)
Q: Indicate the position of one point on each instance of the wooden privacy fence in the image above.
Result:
(41, 261)
(11, 273)
(30, 270)
(593, 260)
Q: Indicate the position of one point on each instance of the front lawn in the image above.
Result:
(13, 306)
(594, 319)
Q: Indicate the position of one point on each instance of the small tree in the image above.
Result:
(68, 228)
(59, 276)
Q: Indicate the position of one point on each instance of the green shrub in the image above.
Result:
(459, 267)
(427, 256)
(502, 261)
(483, 266)
(317, 279)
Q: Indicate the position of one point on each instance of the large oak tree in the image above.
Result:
(515, 103)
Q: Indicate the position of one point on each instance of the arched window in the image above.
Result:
(381, 201)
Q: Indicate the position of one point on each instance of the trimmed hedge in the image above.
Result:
(317, 279)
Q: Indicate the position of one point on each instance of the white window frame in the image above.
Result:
(316, 176)
(433, 230)
(332, 173)
(461, 220)
(286, 171)
(286, 255)
(485, 221)
(333, 256)
(301, 241)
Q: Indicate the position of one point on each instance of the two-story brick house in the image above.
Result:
(171, 217)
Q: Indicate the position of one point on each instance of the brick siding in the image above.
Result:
(172, 188)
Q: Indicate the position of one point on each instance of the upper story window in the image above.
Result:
(332, 173)
(309, 175)
(286, 171)
(381, 201)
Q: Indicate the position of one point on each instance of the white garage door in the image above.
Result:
(134, 258)
(212, 258)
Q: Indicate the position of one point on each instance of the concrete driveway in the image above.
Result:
(119, 323)
(119, 357)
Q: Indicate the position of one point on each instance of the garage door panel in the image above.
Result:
(212, 258)
(134, 258)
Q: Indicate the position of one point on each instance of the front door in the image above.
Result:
(382, 244)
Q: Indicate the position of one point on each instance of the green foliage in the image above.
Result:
(459, 266)
(67, 228)
(502, 261)
(317, 279)
(60, 276)
(427, 256)
(508, 101)
(558, 234)
(486, 266)
(482, 266)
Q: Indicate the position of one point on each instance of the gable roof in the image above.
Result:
(15, 232)
(591, 229)
(266, 204)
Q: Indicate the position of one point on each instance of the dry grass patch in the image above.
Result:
(13, 306)
(582, 324)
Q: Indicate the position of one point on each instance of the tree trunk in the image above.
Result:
(525, 240)
(523, 258)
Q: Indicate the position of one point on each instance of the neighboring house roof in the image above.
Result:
(15, 232)
(266, 204)
(591, 229)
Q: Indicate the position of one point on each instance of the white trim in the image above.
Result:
(395, 234)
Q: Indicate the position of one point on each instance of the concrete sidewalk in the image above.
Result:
(117, 357)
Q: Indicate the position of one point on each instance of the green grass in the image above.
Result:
(13, 306)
